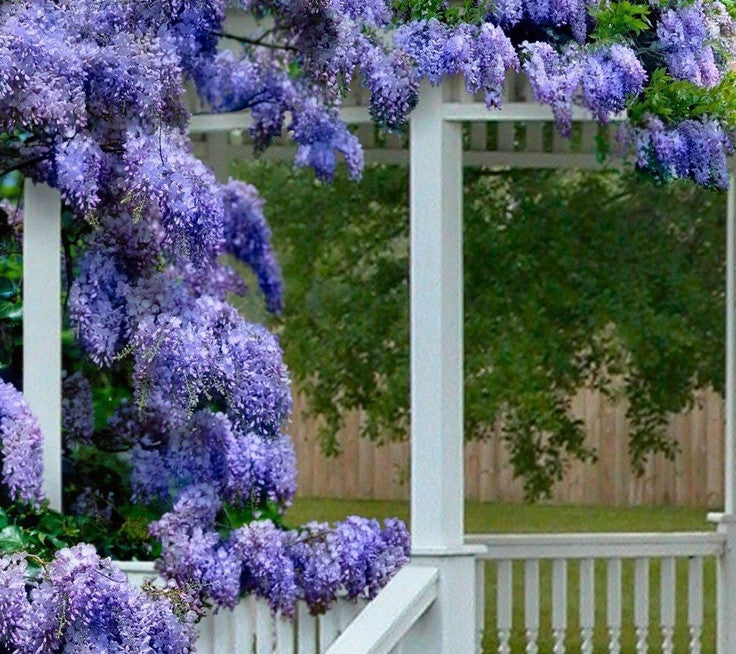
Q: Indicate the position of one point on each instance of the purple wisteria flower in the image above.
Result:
(248, 237)
(482, 54)
(82, 603)
(686, 36)
(21, 447)
(691, 149)
(77, 410)
(609, 77)
(283, 566)
(554, 77)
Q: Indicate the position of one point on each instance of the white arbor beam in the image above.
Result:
(42, 325)
(436, 334)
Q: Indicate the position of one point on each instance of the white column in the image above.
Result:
(42, 325)
(436, 327)
(730, 405)
(726, 590)
(437, 379)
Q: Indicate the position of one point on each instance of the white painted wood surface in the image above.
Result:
(641, 604)
(603, 549)
(42, 324)
(559, 605)
(386, 621)
(504, 607)
(436, 309)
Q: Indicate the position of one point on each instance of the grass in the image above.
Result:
(504, 518)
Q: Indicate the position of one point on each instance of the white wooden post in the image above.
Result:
(42, 325)
(726, 591)
(437, 521)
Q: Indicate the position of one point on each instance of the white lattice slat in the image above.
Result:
(504, 605)
(264, 629)
(284, 636)
(242, 621)
(531, 605)
(345, 613)
(328, 630)
(535, 137)
(667, 602)
(306, 631)
(695, 602)
(559, 604)
(206, 631)
(587, 605)
(613, 604)
(641, 604)
(222, 631)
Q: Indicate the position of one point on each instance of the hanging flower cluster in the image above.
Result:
(91, 102)
(82, 603)
(666, 63)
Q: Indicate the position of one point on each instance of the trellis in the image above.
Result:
(436, 604)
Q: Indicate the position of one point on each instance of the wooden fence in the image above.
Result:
(695, 478)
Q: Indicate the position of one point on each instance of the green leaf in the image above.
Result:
(11, 539)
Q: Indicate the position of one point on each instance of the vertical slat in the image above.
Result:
(587, 605)
(328, 630)
(222, 632)
(264, 629)
(534, 137)
(306, 631)
(613, 604)
(531, 604)
(205, 635)
(284, 636)
(641, 604)
(480, 601)
(559, 604)
(695, 602)
(667, 604)
(42, 325)
(504, 605)
(344, 614)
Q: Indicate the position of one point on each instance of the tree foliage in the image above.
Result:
(571, 280)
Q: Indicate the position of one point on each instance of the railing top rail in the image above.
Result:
(390, 616)
(597, 545)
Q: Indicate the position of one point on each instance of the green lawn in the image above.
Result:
(500, 518)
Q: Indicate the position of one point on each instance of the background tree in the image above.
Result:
(571, 280)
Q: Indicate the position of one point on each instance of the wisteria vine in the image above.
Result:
(92, 102)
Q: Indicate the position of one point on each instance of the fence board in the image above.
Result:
(367, 471)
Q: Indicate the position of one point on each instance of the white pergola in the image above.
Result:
(436, 605)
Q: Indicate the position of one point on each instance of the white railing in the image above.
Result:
(252, 628)
(586, 559)
(398, 620)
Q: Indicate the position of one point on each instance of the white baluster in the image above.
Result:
(480, 603)
(695, 602)
(641, 604)
(667, 604)
(613, 605)
(531, 605)
(504, 605)
(559, 604)
(306, 631)
(222, 632)
(328, 630)
(264, 629)
(587, 604)
(284, 636)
